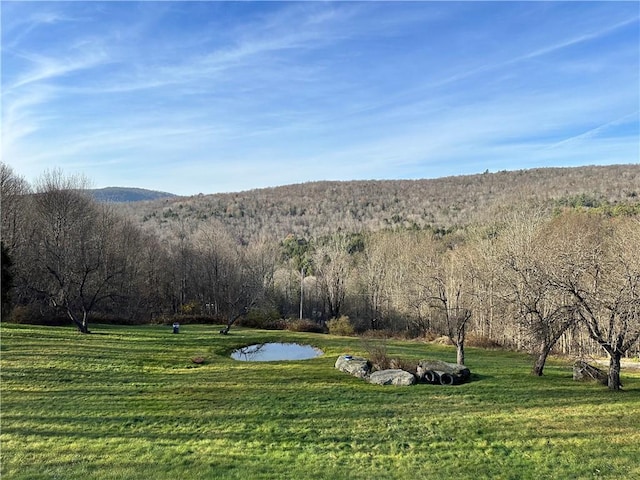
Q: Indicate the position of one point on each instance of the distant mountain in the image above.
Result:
(322, 208)
(124, 194)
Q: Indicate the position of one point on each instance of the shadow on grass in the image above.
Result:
(479, 377)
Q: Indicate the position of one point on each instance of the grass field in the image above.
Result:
(128, 403)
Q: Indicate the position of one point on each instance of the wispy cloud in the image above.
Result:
(264, 93)
(18, 25)
(45, 68)
(632, 118)
(578, 39)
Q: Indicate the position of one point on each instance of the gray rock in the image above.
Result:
(582, 371)
(392, 377)
(437, 371)
(356, 366)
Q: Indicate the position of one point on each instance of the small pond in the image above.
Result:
(271, 352)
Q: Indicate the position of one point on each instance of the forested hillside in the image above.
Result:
(322, 208)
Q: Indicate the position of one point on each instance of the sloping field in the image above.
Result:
(129, 403)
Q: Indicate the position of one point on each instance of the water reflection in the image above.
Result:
(270, 352)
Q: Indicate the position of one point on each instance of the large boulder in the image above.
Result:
(582, 371)
(437, 371)
(356, 366)
(392, 377)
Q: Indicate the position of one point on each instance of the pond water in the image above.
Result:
(271, 352)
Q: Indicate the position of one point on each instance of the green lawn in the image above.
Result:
(128, 403)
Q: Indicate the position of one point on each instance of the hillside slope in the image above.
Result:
(319, 208)
(125, 194)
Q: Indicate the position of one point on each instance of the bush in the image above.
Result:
(380, 359)
(480, 341)
(305, 325)
(265, 319)
(405, 364)
(33, 315)
(190, 309)
(429, 336)
(443, 340)
(109, 319)
(377, 354)
(341, 326)
(167, 319)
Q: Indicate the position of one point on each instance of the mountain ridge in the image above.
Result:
(324, 207)
(127, 194)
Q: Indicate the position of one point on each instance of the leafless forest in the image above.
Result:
(324, 208)
(543, 260)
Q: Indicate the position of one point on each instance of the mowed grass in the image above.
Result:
(128, 403)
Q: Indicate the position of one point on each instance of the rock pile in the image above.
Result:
(427, 371)
(392, 377)
(437, 371)
(356, 366)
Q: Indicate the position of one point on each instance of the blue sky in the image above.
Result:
(191, 97)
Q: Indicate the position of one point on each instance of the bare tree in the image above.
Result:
(296, 256)
(249, 281)
(231, 278)
(448, 289)
(13, 193)
(13, 197)
(332, 265)
(399, 303)
(219, 273)
(135, 257)
(215, 251)
(601, 272)
(374, 270)
(530, 258)
(73, 267)
(483, 261)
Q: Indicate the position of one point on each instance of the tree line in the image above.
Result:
(529, 279)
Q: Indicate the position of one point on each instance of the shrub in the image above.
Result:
(377, 354)
(380, 359)
(340, 326)
(265, 319)
(481, 341)
(190, 309)
(111, 319)
(443, 340)
(429, 336)
(20, 314)
(34, 315)
(305, 325)
(404, 364)
(168, 319)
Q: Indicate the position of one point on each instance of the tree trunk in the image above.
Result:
(460, 353)
(85, 322)
(538, 365)
(230, 322)
(461, 334)
(613, 380)
(81, 325)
